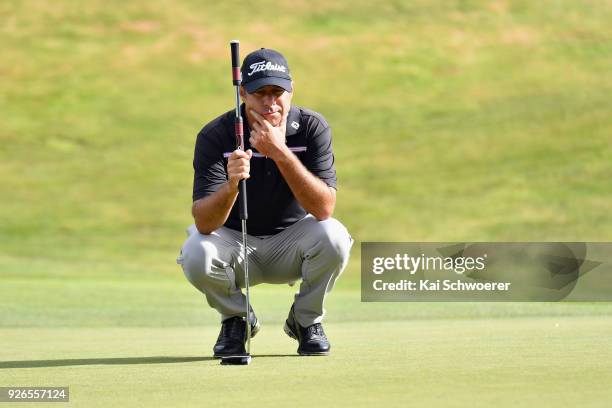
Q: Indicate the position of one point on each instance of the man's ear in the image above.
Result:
(242, 92)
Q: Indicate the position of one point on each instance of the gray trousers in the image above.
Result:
(314, 251)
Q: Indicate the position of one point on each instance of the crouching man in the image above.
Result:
(291, 190)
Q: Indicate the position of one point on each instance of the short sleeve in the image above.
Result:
(320, 156)
(208, 164)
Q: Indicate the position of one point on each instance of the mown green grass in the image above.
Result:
(546, 362)
(453, 120)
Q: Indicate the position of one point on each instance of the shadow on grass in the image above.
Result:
(103, 361)
(115, 361)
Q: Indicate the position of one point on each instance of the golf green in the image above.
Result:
(506, 362)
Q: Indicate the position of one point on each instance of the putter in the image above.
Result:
(241, 359)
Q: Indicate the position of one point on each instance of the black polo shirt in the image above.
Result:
(271, 204)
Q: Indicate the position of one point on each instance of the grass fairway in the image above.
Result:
(454, 120)
(128, 351)
(506, 362)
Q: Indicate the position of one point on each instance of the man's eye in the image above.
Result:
(276, 94)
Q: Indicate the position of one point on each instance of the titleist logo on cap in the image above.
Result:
(266, 66)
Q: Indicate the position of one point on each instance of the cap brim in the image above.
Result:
(261, 82)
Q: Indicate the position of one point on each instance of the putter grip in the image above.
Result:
(242, 200)
(235, 47)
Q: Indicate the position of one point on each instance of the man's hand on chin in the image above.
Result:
(267, 139)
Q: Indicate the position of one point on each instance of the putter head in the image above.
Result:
(238, 359)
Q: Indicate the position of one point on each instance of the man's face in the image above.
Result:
(272, 102)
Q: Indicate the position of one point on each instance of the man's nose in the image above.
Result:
(269, 100)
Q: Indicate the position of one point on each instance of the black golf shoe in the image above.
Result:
(233, 336)
(312, 339)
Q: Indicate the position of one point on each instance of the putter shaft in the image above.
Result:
(246, 285)
(242, 198)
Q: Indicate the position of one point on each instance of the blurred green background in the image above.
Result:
(455, 120)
